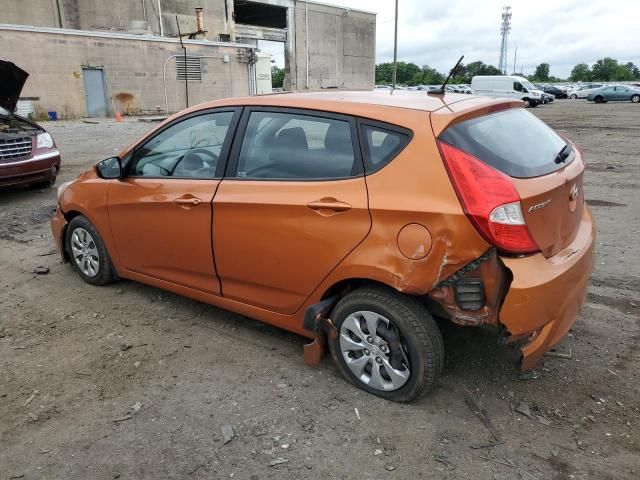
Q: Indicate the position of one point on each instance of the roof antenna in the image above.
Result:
(441, 90)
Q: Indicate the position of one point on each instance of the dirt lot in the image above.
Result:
(66, 379)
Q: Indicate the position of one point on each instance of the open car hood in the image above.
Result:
(12, 79)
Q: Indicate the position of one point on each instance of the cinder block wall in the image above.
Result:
(131, 66)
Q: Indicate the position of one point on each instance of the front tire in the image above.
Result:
(88, 253)
(574, 97)
(599, 99)
(635, 98)
(388, 343)
(527, 103)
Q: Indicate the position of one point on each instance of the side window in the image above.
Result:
(517, 86)
(294, 146)
(381, 145)
(188, 149)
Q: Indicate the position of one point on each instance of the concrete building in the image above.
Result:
(86, 57)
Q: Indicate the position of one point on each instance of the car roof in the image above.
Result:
(337, 100)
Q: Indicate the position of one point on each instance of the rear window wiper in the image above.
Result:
(563, 154)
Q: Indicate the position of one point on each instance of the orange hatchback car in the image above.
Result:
(352, 218)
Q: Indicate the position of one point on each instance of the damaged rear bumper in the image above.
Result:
(546, 294)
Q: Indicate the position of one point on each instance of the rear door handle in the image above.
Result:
(187, 200)
(329, 204)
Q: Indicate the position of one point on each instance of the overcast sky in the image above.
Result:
(559, 32)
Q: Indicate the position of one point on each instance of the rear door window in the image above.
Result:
(280, 145)
(513, 141)
(382, 144)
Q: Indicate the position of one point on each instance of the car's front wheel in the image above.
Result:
(599, 99)
(574, 97)
(88, 253)
(388, 343)
(635, 98)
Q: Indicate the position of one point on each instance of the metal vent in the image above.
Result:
(15, 149)
(193, 68)
(469, 293)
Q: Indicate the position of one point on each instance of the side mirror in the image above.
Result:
(109, 168)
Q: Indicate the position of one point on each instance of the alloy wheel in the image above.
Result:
(374, 351)
(85, 252)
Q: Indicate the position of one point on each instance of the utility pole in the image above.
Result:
(184, 58)
(395, 51)
(504, 31)
(515, 57)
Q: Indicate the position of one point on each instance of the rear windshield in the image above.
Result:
(513, 141)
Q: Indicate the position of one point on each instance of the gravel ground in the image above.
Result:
(128, 381)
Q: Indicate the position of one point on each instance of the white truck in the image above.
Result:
(507, 86)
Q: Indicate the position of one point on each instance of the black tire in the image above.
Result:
(574, 97)
(599, 99)
(419, 336)
(105, 272)
(635, 98)
(527, 103)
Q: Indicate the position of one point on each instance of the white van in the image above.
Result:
(507, 86)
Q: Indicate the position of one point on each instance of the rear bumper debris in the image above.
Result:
(546, 294)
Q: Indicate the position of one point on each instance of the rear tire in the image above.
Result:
(399, 371)
(599, 99)
(88, 253)
(574, 97)
(635, 98)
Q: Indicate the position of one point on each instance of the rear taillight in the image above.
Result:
(489, 200)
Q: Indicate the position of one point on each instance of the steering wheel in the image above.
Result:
(204, 151)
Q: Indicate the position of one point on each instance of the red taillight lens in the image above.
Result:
(489, 200)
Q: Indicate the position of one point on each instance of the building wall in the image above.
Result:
(39, 13)
(325, 47)
(341, 47)
(133, 69)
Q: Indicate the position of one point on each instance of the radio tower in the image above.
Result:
(504, 30)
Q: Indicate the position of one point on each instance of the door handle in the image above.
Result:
(329, 204)
(187, 200)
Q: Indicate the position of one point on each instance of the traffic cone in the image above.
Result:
(118, 116)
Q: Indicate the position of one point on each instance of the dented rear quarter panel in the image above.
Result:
(412, 188)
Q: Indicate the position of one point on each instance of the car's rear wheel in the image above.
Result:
(88, 253)
(574, 97)
(599, 99)
(635, 98)
(388, 343)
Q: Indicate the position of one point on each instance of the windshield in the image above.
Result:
(529, 85)
(513, 141)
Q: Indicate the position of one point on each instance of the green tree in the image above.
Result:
(277, 77)
(384, 72)
(635, 71)
(542, 72)
(622, 73)
(430, 76)
(581, 73)
(604, 69)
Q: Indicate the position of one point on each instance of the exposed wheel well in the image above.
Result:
(344, 286)
(70, 215)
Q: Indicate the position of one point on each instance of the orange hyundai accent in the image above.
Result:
(352, 218)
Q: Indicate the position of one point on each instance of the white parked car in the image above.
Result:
(583, 91)
(507, 86)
